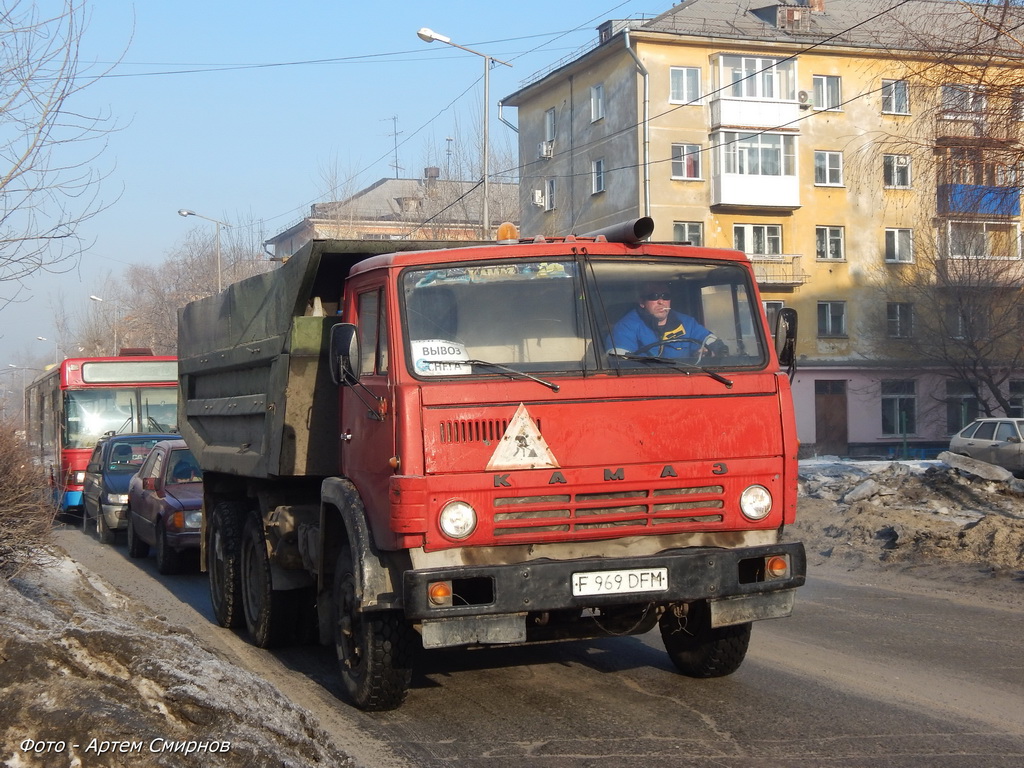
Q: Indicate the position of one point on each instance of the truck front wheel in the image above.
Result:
(375, 648)
(223, 548)
(699, 650)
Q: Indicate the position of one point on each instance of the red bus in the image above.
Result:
(72, 405)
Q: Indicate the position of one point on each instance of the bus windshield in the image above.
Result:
(91, 413)
(582, 314)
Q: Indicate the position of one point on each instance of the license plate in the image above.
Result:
(619, 582)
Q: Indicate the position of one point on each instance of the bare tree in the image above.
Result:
(48, 184)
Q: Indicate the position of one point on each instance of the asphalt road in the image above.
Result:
(867, 672)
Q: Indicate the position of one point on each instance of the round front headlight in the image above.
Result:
(756, 502)
(457, 520)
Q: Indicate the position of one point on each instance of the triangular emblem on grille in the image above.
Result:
(522, 446)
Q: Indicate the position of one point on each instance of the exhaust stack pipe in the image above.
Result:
(627, 232)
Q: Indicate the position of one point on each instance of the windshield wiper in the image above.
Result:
(679, 365)
(512, 372)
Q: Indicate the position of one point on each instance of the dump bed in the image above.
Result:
(255, 395)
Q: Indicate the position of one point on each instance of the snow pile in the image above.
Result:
(952, 510)
(84, 669)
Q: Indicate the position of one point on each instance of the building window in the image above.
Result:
(895, 97)
(828, 168)
(549, 195)
(1016, 399)
(771, 311)
(597, 173)
(549, 125)
(755, 77)
(828, 92)
(899, 407)
(758, 239)
(829, 243)
(963, 102)
(684, 85)
(899, 245)
(983, 240)
(899, 320)
(686, 161)
(596, 102)
(691, 232)
(896, 171)
(759, 154)
(961, 405)
(831, 318)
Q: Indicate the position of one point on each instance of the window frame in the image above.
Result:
(549, 194)
(825, 84)
(596, 102)
(891, 163)
(597, 176)
(750, 234)
(699, 241)
(827, 156)
(685, 156)
(683, 94)
(744, 150)
(896, 250)
(893, 96)
(828, 317)
(550, 124)
(899, 320)
(897, 401)
(826, 235)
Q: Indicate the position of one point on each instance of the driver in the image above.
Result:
(654, 329)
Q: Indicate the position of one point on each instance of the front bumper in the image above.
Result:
(115, 516)
(699, 573)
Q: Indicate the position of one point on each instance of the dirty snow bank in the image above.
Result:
(84, 669)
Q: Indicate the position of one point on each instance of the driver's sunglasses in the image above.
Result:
(657, 297)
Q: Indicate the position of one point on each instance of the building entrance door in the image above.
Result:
(830, 424)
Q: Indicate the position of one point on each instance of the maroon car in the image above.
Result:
(165, 502)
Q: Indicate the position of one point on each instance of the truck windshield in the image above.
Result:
(581, 314)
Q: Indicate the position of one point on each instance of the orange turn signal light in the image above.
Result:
(776, 566)
(440, 592)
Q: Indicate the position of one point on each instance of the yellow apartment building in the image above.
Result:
(861, 153)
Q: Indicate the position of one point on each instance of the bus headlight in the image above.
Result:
(457, 520)
(756, 502)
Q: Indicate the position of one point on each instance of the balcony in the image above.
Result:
(977, 200)
(969, 129)
(777, 271)
(741, 190)
(753, 113)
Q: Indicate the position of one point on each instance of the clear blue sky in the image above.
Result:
(200, 129)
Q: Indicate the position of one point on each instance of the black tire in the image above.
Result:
(270, 616)
(103, 532)
(137, 548)
(168, 559)
(697, 649)
(376, 649)
(223, 547)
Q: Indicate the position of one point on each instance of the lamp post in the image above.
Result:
(56, 348)
(116, 312)
(187, 212)
(428, 36)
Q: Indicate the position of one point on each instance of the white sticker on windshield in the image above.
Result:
(437, 357)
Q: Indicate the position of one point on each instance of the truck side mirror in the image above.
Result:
(344, 353)
(785, 336)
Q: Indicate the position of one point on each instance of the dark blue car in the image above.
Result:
(105, 492)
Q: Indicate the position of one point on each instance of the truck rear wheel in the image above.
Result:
(224, 541)
(375, 648)
(270, 616)
(697, 649)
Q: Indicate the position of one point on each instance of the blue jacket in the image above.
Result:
(683, 336)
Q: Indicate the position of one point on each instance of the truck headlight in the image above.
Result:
(756, 502)
(457, 520)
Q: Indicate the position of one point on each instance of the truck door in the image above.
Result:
(367, 422)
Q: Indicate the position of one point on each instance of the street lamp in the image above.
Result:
(116, 308)
(429, 36)
(56, 348)
(187, 212)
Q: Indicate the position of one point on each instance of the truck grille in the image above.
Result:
(475, 430)
(582, 513)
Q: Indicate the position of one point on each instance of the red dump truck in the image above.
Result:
(412, 445)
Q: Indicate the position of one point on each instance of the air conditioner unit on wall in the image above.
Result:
(546, 149)
(805, 99)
